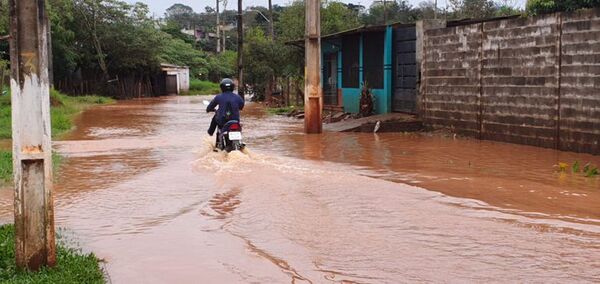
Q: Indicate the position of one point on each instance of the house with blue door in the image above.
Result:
(382, 57)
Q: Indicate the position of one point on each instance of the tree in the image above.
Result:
(335, 17)
(393, 11)
(475, 9)
(548, 6)
(427, 10)
(264, 60)
(181, 14)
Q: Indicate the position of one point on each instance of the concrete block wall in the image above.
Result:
(450, 77)
(520, 80)
(580, 82)
(533, 81)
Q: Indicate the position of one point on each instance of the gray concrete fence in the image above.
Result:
(533, 81)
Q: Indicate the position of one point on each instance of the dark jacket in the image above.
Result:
(227, 102)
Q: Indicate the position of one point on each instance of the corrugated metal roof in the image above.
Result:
(360, 29)
(367, 28)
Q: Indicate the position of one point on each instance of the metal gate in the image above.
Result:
(405, 70)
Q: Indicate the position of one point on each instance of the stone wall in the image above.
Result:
(532, 81)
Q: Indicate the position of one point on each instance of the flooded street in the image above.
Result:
(141, 188)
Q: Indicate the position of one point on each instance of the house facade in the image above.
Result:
(381, 57)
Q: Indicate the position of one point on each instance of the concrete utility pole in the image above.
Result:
(218, 30)
(313, 93)
(271, 29)
(32, 149)
(384, 12)
(240, 49)
(223, 23)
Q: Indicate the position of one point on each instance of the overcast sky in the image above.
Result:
(158, 7)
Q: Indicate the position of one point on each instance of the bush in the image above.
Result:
(536, 7)
(199, 87)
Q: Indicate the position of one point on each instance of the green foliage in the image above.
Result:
(394, 11)
(576, 167)
(66, 108)
(5, 117)
(221, 65)
(476, 9)
(199, 87)
(505, 10)
(72, 265)
(280, 110)
(335, 17)
(105, 39)
(177, 51)
(63, 110)
(265, 59)
(536, 7)
(6, 166)
(588, 169)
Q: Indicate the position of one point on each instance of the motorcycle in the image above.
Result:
(229, 136)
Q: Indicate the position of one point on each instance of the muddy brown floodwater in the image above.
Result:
(141, 188)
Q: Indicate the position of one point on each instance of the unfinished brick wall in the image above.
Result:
(532, 81)
(580, 82)
(452, 68)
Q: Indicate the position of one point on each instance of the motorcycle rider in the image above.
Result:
(229, 104)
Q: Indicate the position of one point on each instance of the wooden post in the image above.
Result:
(240, 49)
(313, 94)
(32, 151)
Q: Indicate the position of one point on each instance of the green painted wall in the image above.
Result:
(383, 97)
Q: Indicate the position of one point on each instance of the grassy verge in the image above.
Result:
(281, 110)
(72, 265)
(6, 167)
(199, 87)
(63, 111)
(5, 119)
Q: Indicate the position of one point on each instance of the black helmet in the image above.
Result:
(227, 85)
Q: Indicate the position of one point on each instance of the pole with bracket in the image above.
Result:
(32, 150)
(313, 99)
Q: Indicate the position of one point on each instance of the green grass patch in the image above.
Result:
(6, 167)
(72, 265)
(5, 119)
(63, 110)
(199, 87)
(280, 110)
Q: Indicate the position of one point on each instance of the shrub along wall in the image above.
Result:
(532, 81)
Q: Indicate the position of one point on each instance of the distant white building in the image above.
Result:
(176, 79)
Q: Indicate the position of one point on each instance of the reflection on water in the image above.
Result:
(141, 188)
(505, 175)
